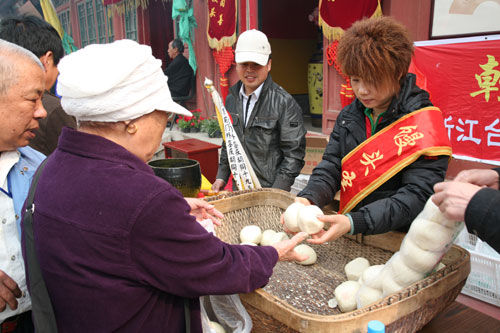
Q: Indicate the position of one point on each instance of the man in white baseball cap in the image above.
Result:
(266, 118)
(253, 46)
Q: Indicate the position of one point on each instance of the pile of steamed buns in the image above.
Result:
(429, 238)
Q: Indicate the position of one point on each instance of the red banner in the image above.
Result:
(110, 2)
(221, 29)
(463, 80)
(221, 35)
(336, 16)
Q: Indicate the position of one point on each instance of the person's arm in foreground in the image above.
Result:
(202, 210)
(478, 206)
(176, 255)
(391, 213)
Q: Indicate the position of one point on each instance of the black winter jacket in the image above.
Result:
(274, 138)
(395, 204)
(482, 216)
(179, 74)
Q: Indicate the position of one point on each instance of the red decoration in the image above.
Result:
(221, 34)
(221, 29)
(225, 59)
(334, 18)
(346, 93)
(110, 2)
(337, 16)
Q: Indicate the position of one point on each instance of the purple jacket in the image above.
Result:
(118, 248)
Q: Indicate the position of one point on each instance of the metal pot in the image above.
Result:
(182, 173)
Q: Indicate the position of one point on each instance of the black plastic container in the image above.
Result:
(182, 173)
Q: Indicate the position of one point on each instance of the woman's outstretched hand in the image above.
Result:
(340, 225)
(285, 248)
(202, 210)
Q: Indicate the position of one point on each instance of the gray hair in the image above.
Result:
(8, 67)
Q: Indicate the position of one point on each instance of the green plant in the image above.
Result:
(210, 126)
(183, 123)
(191, 122)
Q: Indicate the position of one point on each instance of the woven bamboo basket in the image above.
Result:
(296, 297)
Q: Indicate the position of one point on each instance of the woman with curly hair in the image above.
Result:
(388, 147)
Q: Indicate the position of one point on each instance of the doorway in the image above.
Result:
(296, 42)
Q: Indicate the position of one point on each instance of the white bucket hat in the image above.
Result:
(114, 82)
(252, 46)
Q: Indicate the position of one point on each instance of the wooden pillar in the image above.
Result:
(247, 15)
(415, 15)
(331, 96)
(205, 60)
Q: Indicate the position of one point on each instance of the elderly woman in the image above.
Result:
(118, 247)
(388, 147)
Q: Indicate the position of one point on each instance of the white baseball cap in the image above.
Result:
(114, 82)
(252, 46)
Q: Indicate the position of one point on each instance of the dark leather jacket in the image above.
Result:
(274, 139)
(396, 203)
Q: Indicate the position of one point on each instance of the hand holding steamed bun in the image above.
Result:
(286, 248)
(253, 235)
(339, 225)
(291, 216)
(308, 220)
(312, 221)
(309, 252)
(299, 217)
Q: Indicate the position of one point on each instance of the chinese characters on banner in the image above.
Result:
(241, 169)
(221, 35)
(374, 161)
(463, 80)
(221, 30)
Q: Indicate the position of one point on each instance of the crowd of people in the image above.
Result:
(119, 249)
